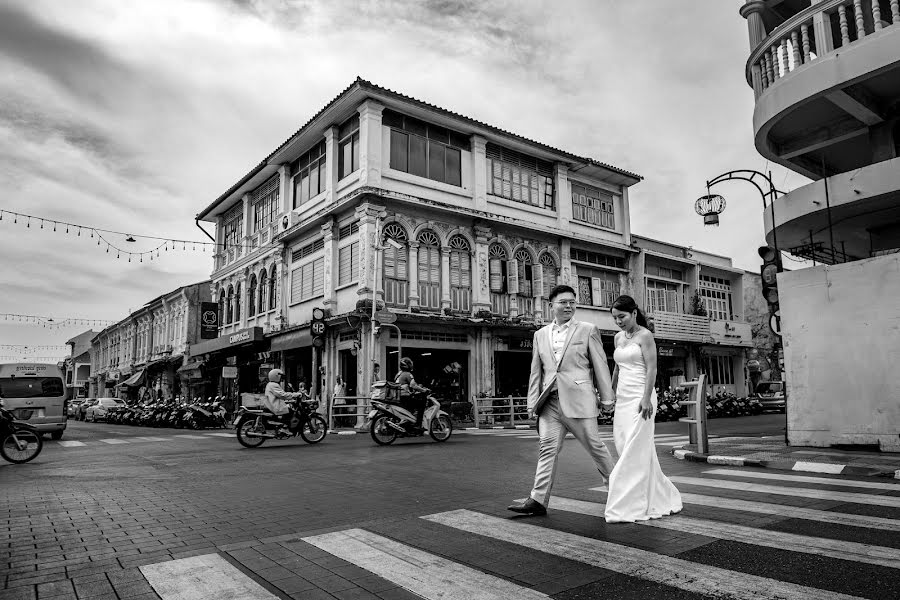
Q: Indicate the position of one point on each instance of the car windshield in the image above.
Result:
(768, 387)
(31, 387)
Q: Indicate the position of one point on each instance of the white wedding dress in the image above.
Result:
(638, 490)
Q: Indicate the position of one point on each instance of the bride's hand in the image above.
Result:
(646, 409)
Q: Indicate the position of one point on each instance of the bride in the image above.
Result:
(638, 490)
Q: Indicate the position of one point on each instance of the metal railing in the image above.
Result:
(348, 412)
(509, 411)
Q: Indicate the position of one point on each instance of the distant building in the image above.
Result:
(826, 81)
(77, 366)
(139, 356)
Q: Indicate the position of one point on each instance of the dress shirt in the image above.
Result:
(558, 335)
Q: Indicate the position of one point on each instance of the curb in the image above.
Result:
(785, 465)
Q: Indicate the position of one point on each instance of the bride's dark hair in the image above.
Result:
(627, 304)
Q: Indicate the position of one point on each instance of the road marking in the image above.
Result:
(206, 577)
(191, 437)
(634, 562)
(220, 434)
(70, 444)
(878, 555)
(817, 467)
(752, 486)
(150, 439)
(114, 441)
(425, 574)
(875, 485)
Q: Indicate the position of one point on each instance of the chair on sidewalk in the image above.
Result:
(696, 412)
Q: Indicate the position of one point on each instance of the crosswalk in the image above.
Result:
(140, 439)
(661, 439)
(712, 549)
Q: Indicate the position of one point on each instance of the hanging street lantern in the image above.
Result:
(710, 207)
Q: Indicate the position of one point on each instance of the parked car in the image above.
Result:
(771, 395)
(98, 411)
(74, 404)
(82, 408)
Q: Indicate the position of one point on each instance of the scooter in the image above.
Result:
(254, 426)
(19, 442)
(390, 421)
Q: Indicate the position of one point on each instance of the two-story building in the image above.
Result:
(140, 355)
(77, 366)
(826, 81)
(459, 229)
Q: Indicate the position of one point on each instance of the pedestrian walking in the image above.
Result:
(638, 489)
(567, 362)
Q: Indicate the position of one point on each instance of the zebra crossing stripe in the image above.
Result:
(206, 577)
(150, 439)
(220, 434)
(425, 574)
(874, 485)
(634, 562)
(191, 437)
(752, 486)
(70, 443)
(115, 441)
(865, 553)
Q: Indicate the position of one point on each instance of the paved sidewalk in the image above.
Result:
(772, 452)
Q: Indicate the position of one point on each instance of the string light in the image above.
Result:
(51, 323)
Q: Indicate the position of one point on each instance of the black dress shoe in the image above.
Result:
(529, 507)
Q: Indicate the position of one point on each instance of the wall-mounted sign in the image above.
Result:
(515, 343)
(209, 320)
(666, 351)
(229, 372)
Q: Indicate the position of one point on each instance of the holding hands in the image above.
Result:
(646, 409)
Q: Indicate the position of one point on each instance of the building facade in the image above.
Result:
(140, 356)
(459, 230)
(826, 79)
(77, 366)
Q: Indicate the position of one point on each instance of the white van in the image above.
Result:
(35, 393)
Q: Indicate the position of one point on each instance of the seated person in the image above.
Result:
(410, 398)
(275, 397)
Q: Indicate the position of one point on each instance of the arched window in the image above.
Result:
(460, 274)
(222, 307)
(261, 292)
(396, 273)
(548, 275)
(429, 270)
(229, 304)
(497, 276)
(237, 304)
(272, 297)
(525, 275)
(251, 296)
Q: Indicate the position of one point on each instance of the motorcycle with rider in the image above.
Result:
(404, 408)
(283, 415)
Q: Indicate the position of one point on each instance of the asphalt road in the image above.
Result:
(123, 512)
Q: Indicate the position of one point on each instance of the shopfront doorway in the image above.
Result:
(446, 372)
(347, 365)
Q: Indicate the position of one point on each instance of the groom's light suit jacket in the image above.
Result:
(582, 366)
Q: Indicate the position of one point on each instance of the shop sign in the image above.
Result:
(666, 351)
(519, 343)
(209, 320)
(251, 334)
(229, 372)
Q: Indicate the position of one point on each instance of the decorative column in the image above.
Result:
(370, 155)
(445, 279)
(285, 190)
(331, 163)
(563, 196)
(329, 302)
(248, 216)
(479, 172)
(412, 266)
(567, 274)
(367, 214)
(481, 295)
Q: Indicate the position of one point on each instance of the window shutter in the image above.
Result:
(548, 275)
(496, 275)
(455, 265)
(354, 261)
(318, 277)
(595, 291)
(512, 270)
(537, 276)
(296, 284)
(344, 267)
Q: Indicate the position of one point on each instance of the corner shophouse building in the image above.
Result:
(482, 223)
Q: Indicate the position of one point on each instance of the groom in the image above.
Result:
(567, 362)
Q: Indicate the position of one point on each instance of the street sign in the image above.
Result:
(317, 327)
(775, 323)
(385, 316)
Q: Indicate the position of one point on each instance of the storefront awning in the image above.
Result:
(229, 340)
(293, 339)
(190, 366)
(134, 380)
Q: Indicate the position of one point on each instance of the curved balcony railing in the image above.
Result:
(813, 33)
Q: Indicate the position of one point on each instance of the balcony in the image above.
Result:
(824, 77)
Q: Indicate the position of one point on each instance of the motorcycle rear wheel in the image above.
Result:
(314, 429)
(243, 428)
(382, 433)
(441, 428)
(10, 450)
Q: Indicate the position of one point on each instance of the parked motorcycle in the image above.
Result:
(390, 421)
(201, 416)
(256, 425)
(19, 442)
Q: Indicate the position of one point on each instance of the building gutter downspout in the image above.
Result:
(197, 223)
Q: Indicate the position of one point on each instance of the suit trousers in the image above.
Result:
(552, 428)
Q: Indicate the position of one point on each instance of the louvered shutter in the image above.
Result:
(496, 275)
(465, 269)
(512, 270)
(455, 268)
(537, 276)
(548, 277)
(344, 265)
(595, 289)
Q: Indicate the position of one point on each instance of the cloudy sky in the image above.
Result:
(133, 116)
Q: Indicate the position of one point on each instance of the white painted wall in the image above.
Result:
(841, 328)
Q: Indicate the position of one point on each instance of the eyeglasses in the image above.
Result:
(565, 302)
